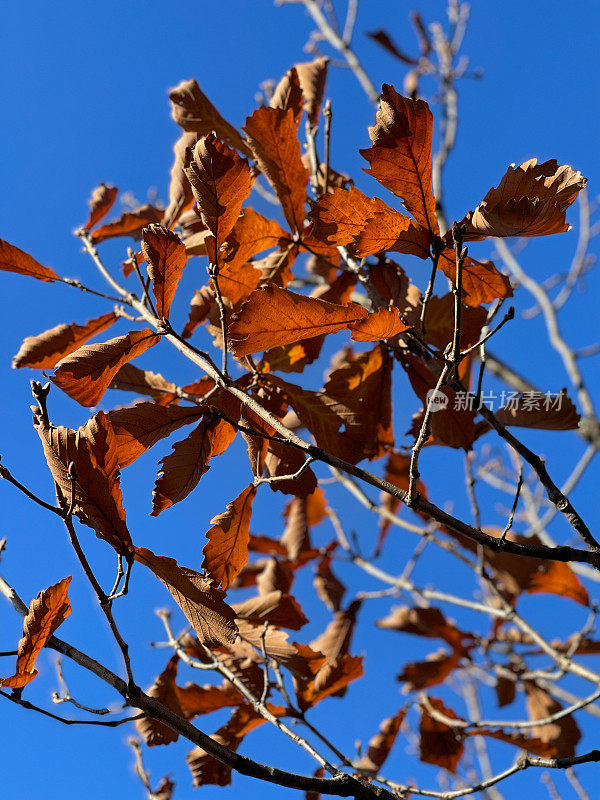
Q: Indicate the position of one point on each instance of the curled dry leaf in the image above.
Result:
(14, 260)
(97, 494)
(273, 317)
(203, 605)
(331, 679)
(251, 234)
(427, 622)
(193, 111)
(564, 734)
(130, 223)
(400, 158)
(381, 744)
(288, 94)
(530, 743)
(226, 551)
(165, 253)
(541, 411)
(100, 203)
(335, 639)
(281, 460)
(46, 349)
(440, 744)
(384, 39)
(87, 373)
(195, 700)
(273, 137)
(530, 200)
(207, 770)
(311, 77)
(46, 612)
(164, 690)
(181, 196)
(329, 587)
(200, 307)
(276, 608)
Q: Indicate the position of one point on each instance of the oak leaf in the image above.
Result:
(46, 612)
(387, 229)
(251, 234)
(530, 743)
(382, 324)
(141, 381)
(427, 622)
(329, 587)
(181, 196)
(563, 734)
(87, 373)
(14, 260)
(340, 216)
(100, 203)
(381, 744)
(276, 608)
(226, 551)
(164, 690)
(434, 670)
(203, 605)
(200, 307)
(130, 223)
(481, 280)
(440, 744)
(165, 253)
(332, 678)
(46, 349)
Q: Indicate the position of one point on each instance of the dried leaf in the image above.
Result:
(165, 253)
(387, 229)
(541, 411)
(383, 38)
(523, 742)
(200, 307)
(164, 690)
(46, 349)
(87, 373)
(427, 622)
(439, 743)
(381, 744)
(251, 234)
(295, 538)
(203, 604)
(380, 325)
(181, 196)
(100, 203)
(434, 670)
(130, 223)
(482, 282)
(193, 111)
(197, 700)
(141, 381)
(207, 770)
(312, 76)
(14, 260)
(273, 317)
(335, 639)
(276, 608)
(226, 551)
(400, 158)
(273, 137)
(329, 588)
(281, 460)
(340, 216)
(46, 612)
(332, 678)
(288, 94)
(564, 734)
(97, 495)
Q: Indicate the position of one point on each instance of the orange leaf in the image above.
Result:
(333, 677)
(381, 744)
(237, 284)
(86, 374)
(165, 253)
(342, 215)
(482, 282)
(49, 609)
(274, 316)
(329, 588)
(440, 744)
(530, 743)
(100, 203)
(288, 94)
(97, 494)
(537, 410)
(276, 608)
(221, 181)
(400, 158)
(164, 690)
(434, 670)
(530, 200)
(381, 325)
(193, 111)
(133, 379)
(427, 622)
(251, 234)
(46, 349)
(200, 307)
(203, 605)
(312, 76)
(273, 137)
(390, 230)
(181, 196)
(226, 551)
(14, 260)
(130, 223)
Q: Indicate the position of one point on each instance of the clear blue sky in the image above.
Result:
(84, 94)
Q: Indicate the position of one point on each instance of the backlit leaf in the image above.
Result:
(14, 260)
(165, 253)
(100, 203)
(164, 690)
(226, 551)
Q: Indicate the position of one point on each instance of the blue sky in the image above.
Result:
(85, 97)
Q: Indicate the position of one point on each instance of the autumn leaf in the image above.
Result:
(226, 551)
(564, 734)
(273, 317)
(141, 381)
(288, 94)
(329, 587)
(46, 349)
(530, 200)
(193, 111)
(335, 639)
(295, 537)
(427, 622)
(207, 770)
(87, 373)
(276, 608)
(397, 472)
(46, 612)
(96, 492)
(164, 690)
(310, 78)
(251, 234)
(200, 307)
(130, 223)
(220, 181)
(434, 670)
(381, 744)
(530, 743)
(181, 196)
(273, 137)
(165, 253)
(333, 677)
(541, 411)
(14, 260)
(481, 280)
(195, 699)
(400, 158)
(100, 203)
(440, 744)
(203, 605)
(382, 324)
(383, 38)
(340, 216)
(389, 230)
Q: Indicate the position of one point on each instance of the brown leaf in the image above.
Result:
(164, 690)
(383, 38)
(182, 469)
(237, 284)
(530, 200)
(380, 325)
(381, 744)
(203, 604)
(207, 770)
(138, 427)
(400, 158)
(482, 282)
(14, 260)
(100, 203)
(439, 322)
(181, 196)
(434, 670)
(164, 790)
(87, 373)
(226, 551)
(288, 94)
(165, 253)
(46, 349)
(280, 460)
(439, 743)
(200, 307)
(340, 216)
(529, 743)
(274, 316)
(333, 677)
(130, 223)
(276, 608)
(505, 691)
(220, 181)
(197, 700)
(301, 660)
(387, 229)
(564, 734)
(46, 612)
(141, 381)
(273, 137)
(274, 576)
(329, 588)
(541, 411)
(251, 234)
(335, 639)
(310, 78)
(295, 537)
(316, 507)
(427, 622)
(97, 495)
(193, 111)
